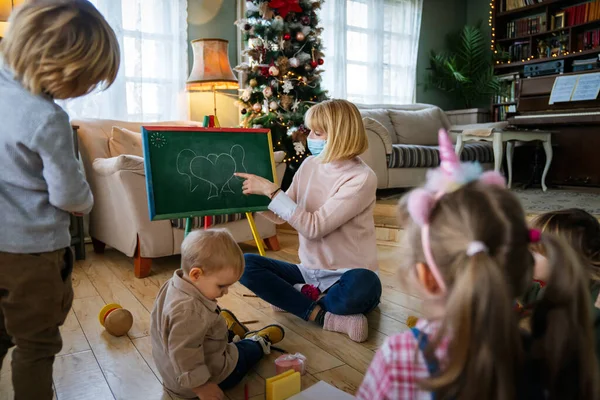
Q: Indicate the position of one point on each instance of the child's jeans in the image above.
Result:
(35, 298)
(250, 353)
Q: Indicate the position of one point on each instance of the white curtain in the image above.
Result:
(154, 63)
(371, 49)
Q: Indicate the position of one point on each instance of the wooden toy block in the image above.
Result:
(283, 386)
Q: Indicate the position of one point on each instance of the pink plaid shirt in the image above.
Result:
(399, 365)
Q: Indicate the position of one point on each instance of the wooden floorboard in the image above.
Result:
(74, 341)
(6, 390)
(78, 376)
(94, 364)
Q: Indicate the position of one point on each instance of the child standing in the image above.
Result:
(467, 246)
(53, 50)
(582, 231)
(191, 336)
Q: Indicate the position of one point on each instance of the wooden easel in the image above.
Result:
(211, 121)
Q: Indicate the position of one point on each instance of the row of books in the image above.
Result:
(519, 50)
(588, 39)
(507, 5)
(582, 13)
(501, 112)
(508, 85)
(526, 26)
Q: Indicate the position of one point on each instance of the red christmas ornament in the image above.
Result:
(287, 36)
(264, 71)
(314, 64)
(285, 6)
(321, 61)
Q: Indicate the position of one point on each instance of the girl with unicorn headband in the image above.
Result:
(467, 249)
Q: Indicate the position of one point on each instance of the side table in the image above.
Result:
(499, 137)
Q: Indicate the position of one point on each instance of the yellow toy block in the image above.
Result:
(283, 386)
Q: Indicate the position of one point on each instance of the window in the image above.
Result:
(154, 63)
(371, 49)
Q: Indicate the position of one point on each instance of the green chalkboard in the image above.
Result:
(189, 170)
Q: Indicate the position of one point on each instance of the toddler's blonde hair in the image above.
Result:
(62, 48)
(341, 120)
(211, 250)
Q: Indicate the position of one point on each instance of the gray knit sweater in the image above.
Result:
(40, 179)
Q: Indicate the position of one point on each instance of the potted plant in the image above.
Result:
(466, 70)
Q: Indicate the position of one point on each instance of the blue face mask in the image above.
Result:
(316, 146)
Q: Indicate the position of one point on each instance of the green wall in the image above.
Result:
(440, 17)
(479, 11)
(213, 19)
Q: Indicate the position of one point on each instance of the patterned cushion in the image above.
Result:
(415, 156)
(198, 222)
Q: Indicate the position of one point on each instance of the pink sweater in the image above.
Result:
(331, 206)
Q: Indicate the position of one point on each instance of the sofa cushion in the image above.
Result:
(198, 222)
(124, 162)
(418, 126)
(417, 156)
(381, 131)
(124, 141)
(382, 116)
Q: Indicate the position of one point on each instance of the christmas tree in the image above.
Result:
(283, 73)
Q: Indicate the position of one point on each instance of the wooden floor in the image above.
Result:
(95, 365)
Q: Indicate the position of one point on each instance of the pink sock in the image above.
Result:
(355, 326)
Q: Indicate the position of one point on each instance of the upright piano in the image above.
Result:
(575, 127)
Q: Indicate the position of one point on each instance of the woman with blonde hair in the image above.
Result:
(54, 49)
(330, 203)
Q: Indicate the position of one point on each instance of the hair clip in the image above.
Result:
(534, 235)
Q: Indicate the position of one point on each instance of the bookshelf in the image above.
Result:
(526, 32)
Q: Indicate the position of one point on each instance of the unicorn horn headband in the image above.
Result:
(450, 176)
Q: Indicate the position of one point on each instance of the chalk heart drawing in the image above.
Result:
(214, 169)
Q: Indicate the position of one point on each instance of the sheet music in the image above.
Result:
(587, 87)
(563, 88)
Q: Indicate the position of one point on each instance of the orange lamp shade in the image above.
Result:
(5, 9)
(211, 69)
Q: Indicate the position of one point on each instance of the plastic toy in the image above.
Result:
(288, 362)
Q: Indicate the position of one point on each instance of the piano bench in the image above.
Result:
(500, 136)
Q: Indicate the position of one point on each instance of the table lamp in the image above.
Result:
(211, 70)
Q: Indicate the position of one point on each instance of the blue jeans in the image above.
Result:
(357, 292)
(250, 354)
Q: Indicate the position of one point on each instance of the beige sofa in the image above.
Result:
(120, 217)
(403, 143)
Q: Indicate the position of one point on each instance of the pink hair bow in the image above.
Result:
(450, 176)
